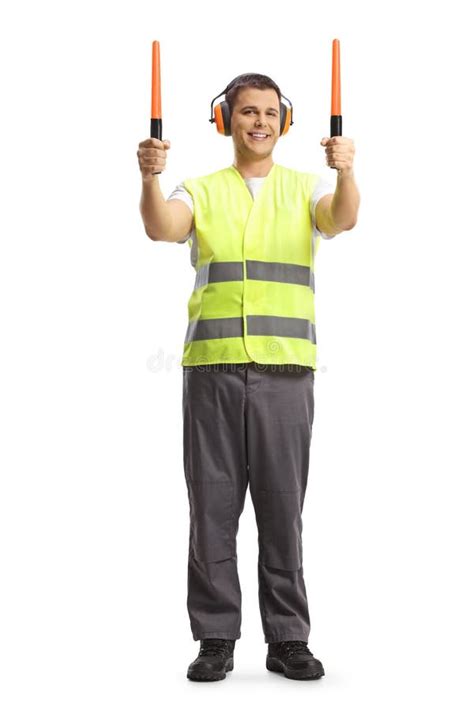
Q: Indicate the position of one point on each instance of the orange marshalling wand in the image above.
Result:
(336, 116)
(156, 126)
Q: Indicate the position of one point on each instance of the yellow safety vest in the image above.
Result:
(253, 297)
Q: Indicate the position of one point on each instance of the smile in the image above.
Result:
(258, 136)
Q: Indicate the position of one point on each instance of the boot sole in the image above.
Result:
(276, 665)
(196, 675)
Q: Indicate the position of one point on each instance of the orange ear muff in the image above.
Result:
(222, 118)
(285, 118)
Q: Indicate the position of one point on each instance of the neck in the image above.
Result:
(250, 168)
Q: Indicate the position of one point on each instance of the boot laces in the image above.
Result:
(216, 647)
(295, 647)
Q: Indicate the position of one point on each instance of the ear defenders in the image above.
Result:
(221, 113)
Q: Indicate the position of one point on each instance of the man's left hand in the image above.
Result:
(339, 153)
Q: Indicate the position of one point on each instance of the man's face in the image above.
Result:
(255, 111)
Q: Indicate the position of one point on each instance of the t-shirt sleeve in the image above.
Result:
(180, 193)
(323, 187)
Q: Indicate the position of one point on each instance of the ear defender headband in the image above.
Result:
(221, 113)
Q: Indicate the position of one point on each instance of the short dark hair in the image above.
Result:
(258, 81)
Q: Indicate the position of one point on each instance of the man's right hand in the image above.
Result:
(152, 157)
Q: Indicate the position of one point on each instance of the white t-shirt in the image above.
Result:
(254, 184)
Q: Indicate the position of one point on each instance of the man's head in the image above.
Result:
(254, 102)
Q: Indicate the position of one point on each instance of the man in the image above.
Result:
(248, 367)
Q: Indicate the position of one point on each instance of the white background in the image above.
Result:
(94, 508)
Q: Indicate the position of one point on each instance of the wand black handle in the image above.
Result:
(336, 126)
(336, 129)
(156, 130)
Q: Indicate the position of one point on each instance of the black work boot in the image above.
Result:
(215, 658)
(294, 659)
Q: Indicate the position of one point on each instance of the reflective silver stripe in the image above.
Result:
(281, 326)
(314, 237)
(278, 271)
(214, 328)
(219, 271)
(256, 326)
(264, 271)
(194, 254)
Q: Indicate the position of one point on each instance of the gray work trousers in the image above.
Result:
(247, 423)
